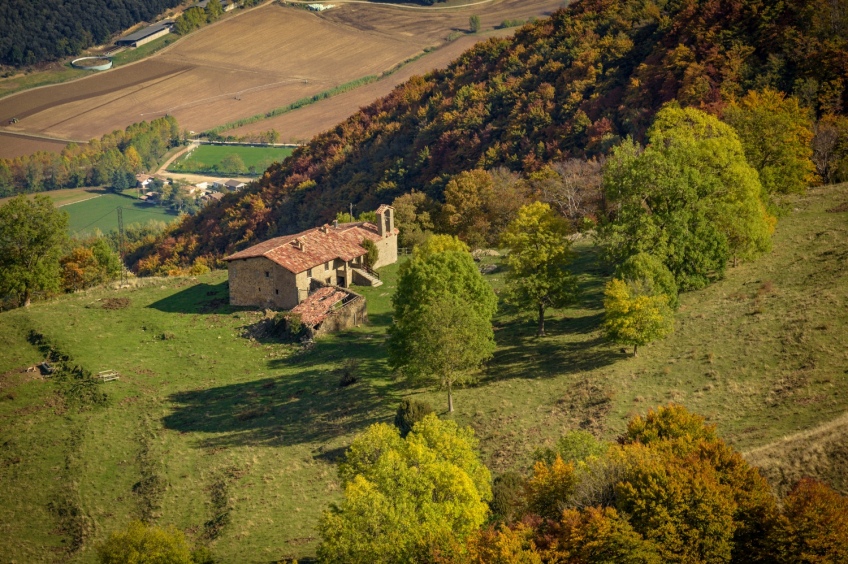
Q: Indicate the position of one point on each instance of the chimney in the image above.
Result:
(335, 224)
(381, 222)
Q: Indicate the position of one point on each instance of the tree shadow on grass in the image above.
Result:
(307, 405)
(199, 298)
(521, 354)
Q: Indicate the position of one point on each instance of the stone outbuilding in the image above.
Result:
(282, 272)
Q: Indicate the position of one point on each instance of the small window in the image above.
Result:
(277, 292)
(267, 274)
(309, 273)
(327, 266)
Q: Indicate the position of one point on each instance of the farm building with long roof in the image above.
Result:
(281, 272)
(146, 35)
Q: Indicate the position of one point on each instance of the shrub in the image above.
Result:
(409, 413)
(349, 373)
(507, 497)
(373, 253)
(145, 545)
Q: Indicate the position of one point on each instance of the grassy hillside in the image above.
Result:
(234, 439)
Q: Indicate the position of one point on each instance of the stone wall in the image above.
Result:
(353, 313)
(260, 282)
(388, 251)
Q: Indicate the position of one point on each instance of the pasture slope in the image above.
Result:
(250, 63)
(232, 437)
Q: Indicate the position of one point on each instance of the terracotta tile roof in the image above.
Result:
(314, 309)
(383, 208)
(314, 247)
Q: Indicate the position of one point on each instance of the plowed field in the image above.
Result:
(261, 59)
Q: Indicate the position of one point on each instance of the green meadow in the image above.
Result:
(100, 212)
(233, 437)
(211, 158)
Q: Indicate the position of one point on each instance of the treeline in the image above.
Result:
(105, 161)
(570, 86)
(669, 489)
(39, 259)
(34, 31)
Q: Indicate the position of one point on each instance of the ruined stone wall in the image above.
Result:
(260, 282)
(350, 315)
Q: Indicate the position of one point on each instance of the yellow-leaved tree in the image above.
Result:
(634, 315)
(407, 500)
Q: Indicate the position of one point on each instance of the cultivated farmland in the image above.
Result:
(259, 60)
(300, 125)
(12, 146)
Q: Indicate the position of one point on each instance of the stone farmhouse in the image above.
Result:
(281, 273)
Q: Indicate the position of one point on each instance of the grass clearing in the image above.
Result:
(244, 434)
(208, 158)
(99, 213)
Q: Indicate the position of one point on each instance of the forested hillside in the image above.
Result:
(573, 85)
(34, 31)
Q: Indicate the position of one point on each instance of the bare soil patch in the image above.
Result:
(12, 146)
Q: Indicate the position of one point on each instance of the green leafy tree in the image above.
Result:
(474, 23)
(32, 234)
(232, 164)
(651, 273)
(633, 315)
(439, 244)
(539, 255)
(410, 412)
(438, 293)
(450, 339)
(214, 10)
(414, 213)
(776, 133)
(140, 544)
(406, 499)
(690, 198)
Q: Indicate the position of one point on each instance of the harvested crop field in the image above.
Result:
(299, 126)
(260, 59)
(12, 146)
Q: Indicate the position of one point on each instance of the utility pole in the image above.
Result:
(120, 211)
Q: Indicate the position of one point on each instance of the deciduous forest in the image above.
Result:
(35, 31)
(571, 86)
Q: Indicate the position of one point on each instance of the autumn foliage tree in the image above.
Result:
(406, 499)
(776, 132)
(669, 490)
(634, 315)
